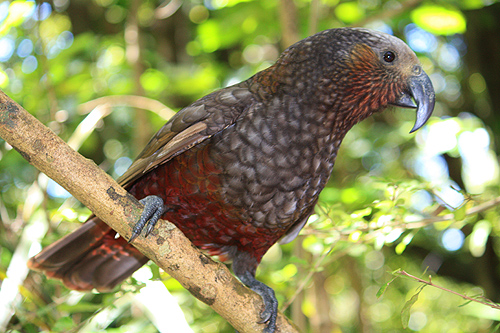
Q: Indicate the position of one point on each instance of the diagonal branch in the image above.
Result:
(485, 301)
(210, 282)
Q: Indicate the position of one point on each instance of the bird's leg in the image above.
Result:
(153, 210)
(270, 302)
(244, 268)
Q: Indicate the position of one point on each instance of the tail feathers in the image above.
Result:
(90, 257)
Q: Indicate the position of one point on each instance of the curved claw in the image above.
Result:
(270, 306)
(153, 210)
(270, 313)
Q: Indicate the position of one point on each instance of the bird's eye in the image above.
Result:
(389, 56)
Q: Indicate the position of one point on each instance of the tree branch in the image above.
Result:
(209, 281)
(138, 102)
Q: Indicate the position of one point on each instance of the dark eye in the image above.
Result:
(389, 56)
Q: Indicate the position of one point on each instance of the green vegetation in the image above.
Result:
(423, 203)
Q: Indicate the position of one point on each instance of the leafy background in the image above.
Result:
(105, 74)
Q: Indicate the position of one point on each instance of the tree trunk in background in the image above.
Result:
(321, 322)
(297, 315)
(289, 23)
(142, 128)
(353, 271)
(483, 56)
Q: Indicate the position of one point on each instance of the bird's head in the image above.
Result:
(357, 72)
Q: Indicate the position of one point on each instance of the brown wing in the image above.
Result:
(190, 126)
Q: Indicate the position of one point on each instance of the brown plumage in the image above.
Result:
(242, 168)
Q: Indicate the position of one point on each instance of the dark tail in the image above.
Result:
(90, 257)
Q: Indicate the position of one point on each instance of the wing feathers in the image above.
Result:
(189, 127)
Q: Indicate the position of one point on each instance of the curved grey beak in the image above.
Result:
(422, 91)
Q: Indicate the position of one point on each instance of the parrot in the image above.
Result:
(242, 168)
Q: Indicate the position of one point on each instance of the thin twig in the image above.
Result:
(430, 283)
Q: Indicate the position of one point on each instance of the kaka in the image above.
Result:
(243, 167)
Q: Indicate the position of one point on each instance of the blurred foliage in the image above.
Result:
(395, 200)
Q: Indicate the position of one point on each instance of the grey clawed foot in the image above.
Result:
(153, 210)
(270, 312)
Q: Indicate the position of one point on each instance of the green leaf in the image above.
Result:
(405, 313)
(362, 212)
(400, 202)
(402, 245)
(384, 205)
(439, 20)
(400, 248)
(461, 305)
(460, 213)
(382, 289)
